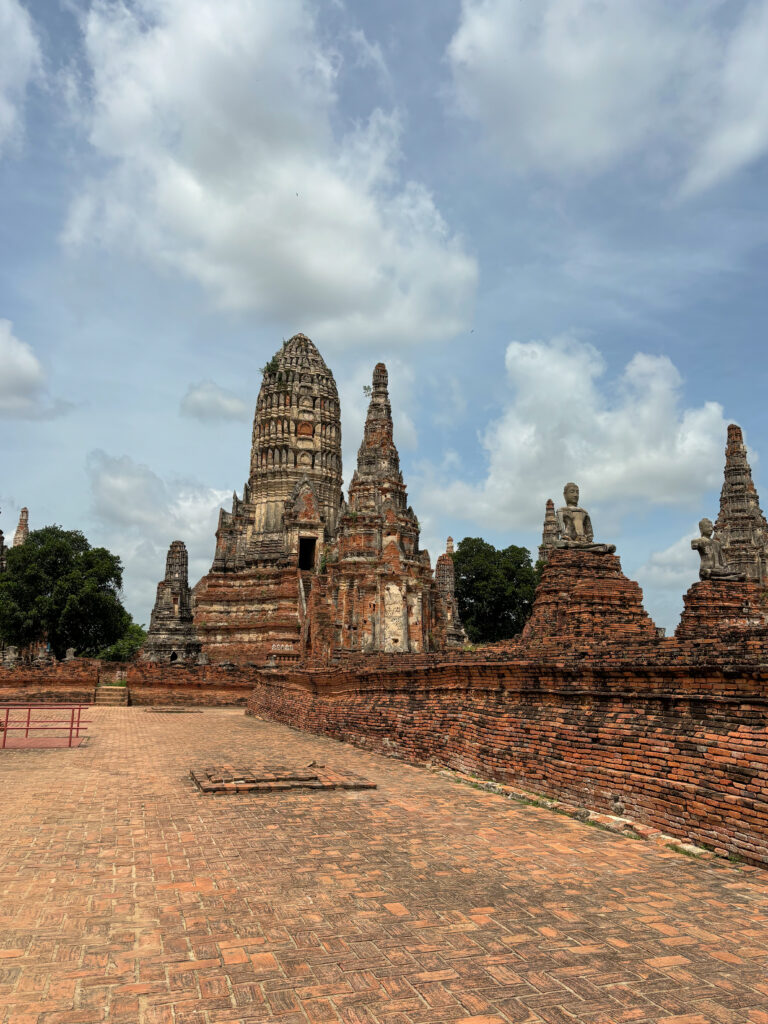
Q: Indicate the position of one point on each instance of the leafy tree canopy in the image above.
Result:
(58, 588)
(494, 589)
(126, 647)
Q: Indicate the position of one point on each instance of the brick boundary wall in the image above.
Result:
(76, 681)
(683, 746)
(684, 749)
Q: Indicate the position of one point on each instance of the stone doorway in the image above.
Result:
(307, 547)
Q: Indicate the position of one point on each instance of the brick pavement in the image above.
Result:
(129, 896)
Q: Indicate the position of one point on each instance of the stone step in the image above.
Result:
(117, 695)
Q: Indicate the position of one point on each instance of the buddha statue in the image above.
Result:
(575, 527)
(713, 565)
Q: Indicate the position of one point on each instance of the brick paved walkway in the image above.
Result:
(128, 896)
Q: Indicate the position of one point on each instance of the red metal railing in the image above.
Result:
(36, 718)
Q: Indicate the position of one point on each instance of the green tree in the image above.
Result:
(494, 589)
(56, 587)
(126, 647)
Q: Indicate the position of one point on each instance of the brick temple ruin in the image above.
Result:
(300, 572)
(323, 613)
(303, 575)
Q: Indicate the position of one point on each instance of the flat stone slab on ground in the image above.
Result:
(130, 898)
(272, 778)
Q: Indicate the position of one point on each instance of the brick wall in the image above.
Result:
(685, 750)
(67, 682)
(148, 683)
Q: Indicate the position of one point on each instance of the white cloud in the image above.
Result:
(218, 126)
(666, 576)
(675, 568)
(23, 391)
(578, 87)
(739, 132)
(140, 514)
(369, 55)
(208, 401)
(625, 441)
(19, 63)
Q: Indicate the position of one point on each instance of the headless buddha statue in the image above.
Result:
(575, 526)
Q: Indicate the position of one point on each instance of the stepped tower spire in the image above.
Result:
(741, 527)
(22, 530)
(378, 481)
(382, 581)
(294, 484)
(377, 456)
(171, 635)
(550, 533)
(445, 579)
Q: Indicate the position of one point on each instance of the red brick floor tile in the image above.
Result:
(128, 896)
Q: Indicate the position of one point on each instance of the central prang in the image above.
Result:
(300, 573)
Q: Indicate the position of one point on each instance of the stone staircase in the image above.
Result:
(111, 695)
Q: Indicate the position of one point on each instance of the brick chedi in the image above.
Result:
(583, 600)
(172, 636)
(252, 604)
(741, 527)
(445, 579)
(22, 530)
(550, 533)
(729, 602)
(379, 586)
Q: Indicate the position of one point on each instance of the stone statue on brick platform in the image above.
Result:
(713, 565)
(575, 527)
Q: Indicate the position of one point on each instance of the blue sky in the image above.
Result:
(548, 218)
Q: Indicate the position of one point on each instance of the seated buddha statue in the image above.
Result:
(575, 526)
(713, 565)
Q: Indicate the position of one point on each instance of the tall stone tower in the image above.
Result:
(22, 530)
(379, 584)
(298, 572)
(550, 532)
(377, 487)
(291, 501)
(741, 527)
(171, 634)
(252, 605)
(445, 578)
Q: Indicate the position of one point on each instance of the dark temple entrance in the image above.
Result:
(307, 552)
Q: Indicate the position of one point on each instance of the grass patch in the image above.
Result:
(680, 849)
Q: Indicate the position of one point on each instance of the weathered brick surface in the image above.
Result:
(147, 683)
(250, 615)
(129, 897)
(66, 682)
(585, 601)
(589, 704)
(685, 750)
(715, 611)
